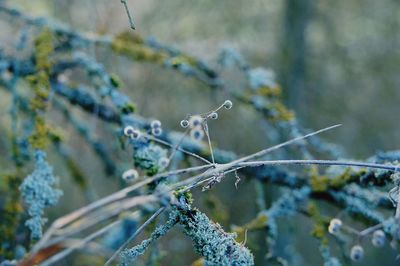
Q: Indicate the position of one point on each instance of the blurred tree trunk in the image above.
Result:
(294, 49)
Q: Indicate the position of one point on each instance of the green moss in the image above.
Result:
(185, 194)
(129, 46)
(283, 114)
(270, 91)
(341, 180)
(39, 138)
(9, 215)
(128, 108)
(115, 81)
(321, 183)
(40, 82)
(319, 230)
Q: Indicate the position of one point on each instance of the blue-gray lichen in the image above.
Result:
(211, 241)
(38, 192)
(129, 256)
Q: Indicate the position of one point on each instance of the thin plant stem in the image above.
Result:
(205, 127)
(128, 13)
(177, 148)
(132, 237)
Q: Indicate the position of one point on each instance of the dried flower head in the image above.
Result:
(128, 131)
(156, 131)
(228, 104)
(334, 226)
(357, 253)
(378, 238)
(213, 115)
(155, 124)
(195, 121)
(163, 162)
(130, 175)
(197, 133)
(184, 123)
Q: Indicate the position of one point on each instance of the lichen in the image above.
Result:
(38, 193)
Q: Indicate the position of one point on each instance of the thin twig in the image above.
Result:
(205, 127)
(132, 24)
(137, 232)
(178, 148)
(224, 167)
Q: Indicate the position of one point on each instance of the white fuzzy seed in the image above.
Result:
(156, 131)
(213, 115)
(155, 124)
(128, 130)
(228, 104)
(334, 226)
(197, 133)
(378, 238)
(357, 253)
(184, 123)
(195, 121)
(130, 175)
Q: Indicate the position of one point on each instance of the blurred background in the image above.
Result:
(337, 61)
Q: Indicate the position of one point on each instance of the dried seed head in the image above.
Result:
(184, 123)
(228, 104)
(128, 130)
(156, 131)
(213, 115)
(378, 238)
(197, 133)
(334, 226)
(195, 121)
(357, 253)
(163, 162)
(135, 134)
(155, 124)
(130, 175)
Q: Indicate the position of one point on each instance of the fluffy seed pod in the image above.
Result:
(334, 226)
(128, 130)
(155, 124)
(357, 253)
(228, 104)
(163, 162)
(130, 175)
(156, 131)
(195, 121)
(378, 238)
(197, 133)
(213, 115)
(184, 123)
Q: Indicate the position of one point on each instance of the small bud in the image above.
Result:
(156, 131)
(228, 104)
(130, 175)
(128, 131)
(184, 123)
(195, 121)
(213, 115)
(357, 253)
(163, 162)
(155, 124)
(378, 238)
(334, 226)
(197, 133)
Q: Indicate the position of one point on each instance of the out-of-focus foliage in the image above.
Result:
(73, 76)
